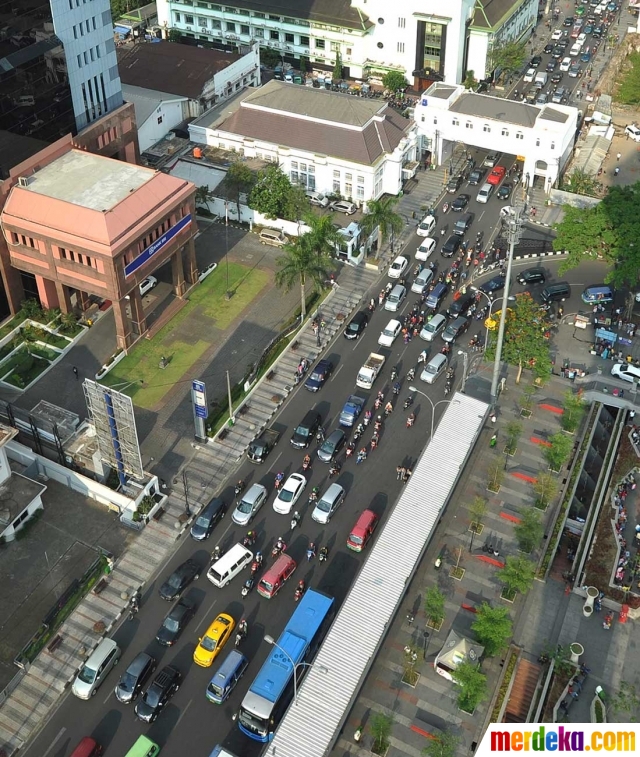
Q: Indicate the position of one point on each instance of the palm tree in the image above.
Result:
(301, 262)
(323, 236)
(203, 196)
(382, 214)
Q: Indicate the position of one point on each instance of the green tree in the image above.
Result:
(517, 575)
(495, 474)
(629, 90)
(394, 81)
(380, 727)
(322, 236)
(492, 628)
(337, 67)
(546, 488)
(303, 64)
(506, 57)
(529, 531)
(174, 35)
(558, 453)
(301, 263)
(470, 80)
(473, 685)
(203, 196)
(477, 511)
(609, 231)
(626, 702)
(434, 605)
(444, 745)
(120, 7)
(381, 214)
(271, 194)
(573, 409)
(581, 183)
(514, 432)
(298, 205)
(239, 179)
(524, 343)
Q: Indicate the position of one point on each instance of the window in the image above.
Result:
(402, 22)
(519, 135)
(75, 32)
(231, 27)
(435, 120)
(79, 58)
(319, 44)
(258, 15)
(360, 192)
(215, 24)
(360, 179)
(505, 132)
(377, 182)
(538, 142)
(348, 189)
(188, 19)
(486, 128)
(469, 125)
(400, 47)
(348, 51)
(304, 41)
(202, 21)
(274, 18)
(335, 47)
(274, 35)
(289, 38)
(244, 29)
(160, 119)
(455, 122)
(176, 17)
(86, 58)
(553, 145)
(336, 182)
(348, 177)
(258, 33)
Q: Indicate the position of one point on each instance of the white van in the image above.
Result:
(486, 190)
(96, 669)
(541, 79)
(575, 50)
(229, 565)
(630, 373)
(273, 237)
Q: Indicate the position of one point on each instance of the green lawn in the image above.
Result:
(206, 302)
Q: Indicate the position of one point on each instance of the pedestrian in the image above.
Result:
(75, 372)
(618, 156)
(398, 472)
(494, 418)
(560, 311)
(616, 171)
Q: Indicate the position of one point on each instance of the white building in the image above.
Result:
(542, 136)
(428, 40)
(327, 141)
(156, 113)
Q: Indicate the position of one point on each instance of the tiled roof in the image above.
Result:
(172, 67)
(331, 12)
(496, 109)
(552, 114)
(487, 14)
(365, 144)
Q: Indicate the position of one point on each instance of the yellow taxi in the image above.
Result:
(217, 635)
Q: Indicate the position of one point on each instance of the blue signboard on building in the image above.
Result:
(154, 248)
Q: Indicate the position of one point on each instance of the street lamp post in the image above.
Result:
(433, 406)
(465, 369)
(296, 665)
(185, 484)
(491, 302)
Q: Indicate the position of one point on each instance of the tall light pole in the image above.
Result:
(465, 369)
(491, 302)
(433, 407)
(296, 665)
(513, 231)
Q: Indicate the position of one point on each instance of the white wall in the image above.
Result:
(477, 58)
(242, 73)
(171, 112)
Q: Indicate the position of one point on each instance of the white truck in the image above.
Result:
(372, 367)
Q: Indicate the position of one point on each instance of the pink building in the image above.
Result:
(91, 225)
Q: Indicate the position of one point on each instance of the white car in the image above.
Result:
(289, 493)
(426, 248)
(398, 267)
(566, 64)
(507, 211)
(387, 337)
(633, 131)
(557, 34)
(582, 38)
(529, 76)
(433, 327)
(148, 284)
(343, 206)
(317, 198)
(426, 226)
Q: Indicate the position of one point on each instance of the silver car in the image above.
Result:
(434, 368)
(96, 669)
(328, 504)
(433, 327)
(343, 206)
(249, 505)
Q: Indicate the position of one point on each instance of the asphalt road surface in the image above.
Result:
(190, 725)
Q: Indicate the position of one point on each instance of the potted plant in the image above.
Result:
(572, 411)
(473, 686)
(477, 511)
(380, 727)
(526, 401)
(558, 452)
(456, 571)
(410, 676)
(517, 576)
(514, 431)
(530, 530)
(434, 608)
(495, 476)
(545, 488)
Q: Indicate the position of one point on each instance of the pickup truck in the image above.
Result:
(351, 410)
(367, 374)
(260, 447)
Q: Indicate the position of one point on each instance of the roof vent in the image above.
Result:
(24, 181)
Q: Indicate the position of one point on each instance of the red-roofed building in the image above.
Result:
(93, 225)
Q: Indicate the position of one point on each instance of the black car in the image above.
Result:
(477, 175)
(356, 326)
(454, 184)
(493, 285)
(331, 446)
(552, 65)
(535, 61)
(557, 77)
(558, 52)
(306, 430)
(568, 21)
(455, 329)
(319, 375)
(178, 581)
(548, 48)
(173, 625)
(451, 246)
(134, 677)
(461, 202)
(504, 191)
(205, 522)
(162, 688)
(531, 276)
(461, 306)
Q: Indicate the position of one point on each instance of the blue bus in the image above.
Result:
(272, 690)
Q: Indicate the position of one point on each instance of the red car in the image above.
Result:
(497, 175)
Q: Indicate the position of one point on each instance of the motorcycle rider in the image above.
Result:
(411, 419)
(323, 554)
(242, 629)
(239, 487)
(280, 545)
(351, 448)
(306, 462)
(311, 551)
(388, 408)
(299, 589)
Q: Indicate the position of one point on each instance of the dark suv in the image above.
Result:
(178, 581)
(134, 677)
(461, 306)
(205, 522)
(531, 276)
(451, 246)
(304, 433)
(163, 687)
(175, 622)
(477, 175)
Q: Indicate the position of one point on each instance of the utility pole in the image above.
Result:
(231, 415)
(514, 234)
(185, 484)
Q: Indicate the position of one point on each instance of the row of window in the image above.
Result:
(244, 12)
(77, 257)
(504, 132)
(348, 184)
(94, 97)
(93, 53)
(77, 3)
(89, 25)
(23, 240)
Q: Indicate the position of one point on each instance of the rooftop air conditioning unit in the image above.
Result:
(24, 181)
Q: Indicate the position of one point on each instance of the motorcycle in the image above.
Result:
(422, 357)
(396, 388)
(320, 435)
(411, 419)
(394, 373)
(295, 519)
(377, 404)
(313, 497)
(362, 456)
(134, 604)
(374, 442)
(299, 590)
(248, 585)
(306, 463)
(445, 207)
(242, 632)
(278, 480)
(216, 554)
(357, 433)
(367, 418)
(256, 564)
(351, 448)
(278, 548)
(388, 409)
(334, 470)
(249, 540)
(447, 388)
(239, 488)
(311, 551)
(408, 402)
(411, 374)
(323, 555)
(372, 305)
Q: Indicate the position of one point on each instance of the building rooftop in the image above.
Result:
(487, 14)
(88, 180)
(145, 101)
(441, 91)
(317, 121)
(172, 67)
(17, 493)
(553, 114)
(330, 12)
(496, 109)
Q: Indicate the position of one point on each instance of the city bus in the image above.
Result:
(272, 690)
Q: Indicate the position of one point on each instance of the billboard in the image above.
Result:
(111, 413)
